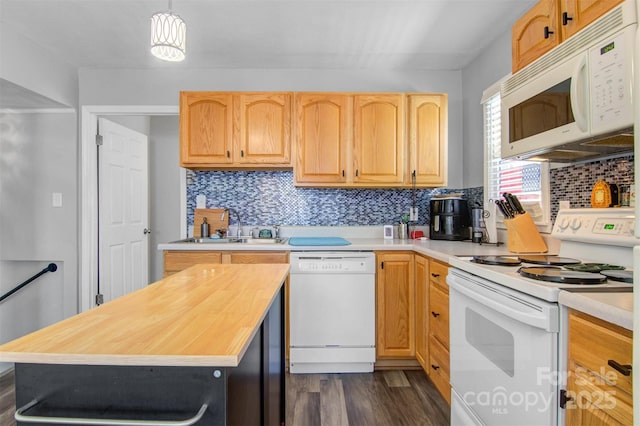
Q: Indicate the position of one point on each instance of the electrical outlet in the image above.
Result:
(413, 214)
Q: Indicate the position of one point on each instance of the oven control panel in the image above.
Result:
(613, 226)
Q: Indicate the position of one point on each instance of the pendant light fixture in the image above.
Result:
(168, 36)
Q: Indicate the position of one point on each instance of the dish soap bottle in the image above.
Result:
(204, 228)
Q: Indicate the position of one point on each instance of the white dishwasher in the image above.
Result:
(332, 312)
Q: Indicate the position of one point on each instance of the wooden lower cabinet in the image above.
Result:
(600, 372)
(422, 310)
(395, 303)
(438, 368)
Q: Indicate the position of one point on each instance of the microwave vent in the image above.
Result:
(617, 141)
(562, 156)
(578, 43)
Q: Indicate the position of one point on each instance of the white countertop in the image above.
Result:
(613, 307)
(616, 308)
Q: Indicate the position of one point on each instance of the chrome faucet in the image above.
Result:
(239, 229)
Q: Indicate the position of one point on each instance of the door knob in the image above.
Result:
(146, 231)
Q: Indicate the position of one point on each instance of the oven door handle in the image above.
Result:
(535, 319)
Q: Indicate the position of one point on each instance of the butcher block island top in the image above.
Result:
(205, 315)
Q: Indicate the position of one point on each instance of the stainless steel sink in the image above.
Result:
(232, 240)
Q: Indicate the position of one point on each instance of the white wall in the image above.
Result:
(162, 87)
(38, 156)
(490, 66)
(164, 179)
(28, 65)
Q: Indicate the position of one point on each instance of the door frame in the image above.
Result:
(88, 181)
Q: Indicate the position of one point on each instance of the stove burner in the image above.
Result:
(497, 260)
(544, 259)
(593, 267)
(622, 276)
(558, 275)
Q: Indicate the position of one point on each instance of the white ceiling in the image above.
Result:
(277, 34)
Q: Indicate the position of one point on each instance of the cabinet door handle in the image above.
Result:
(435, 367)
(228, 154)
(624, 369)
(566, 18)
(434, 275)
(435, 314)
(242, 153)
(547, 32)
(381, 265)
(356, 172)
(343, 173)
(564, 398)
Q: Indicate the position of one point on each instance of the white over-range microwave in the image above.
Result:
(575, 102)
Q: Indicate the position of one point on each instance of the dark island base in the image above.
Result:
(250, 394)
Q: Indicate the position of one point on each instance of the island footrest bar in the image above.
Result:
(21, 417)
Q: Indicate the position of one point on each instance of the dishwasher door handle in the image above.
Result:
(21, 417)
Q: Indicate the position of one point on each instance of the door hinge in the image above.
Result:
(99, 140)
(99, 299)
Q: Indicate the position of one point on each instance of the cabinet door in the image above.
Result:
(535, 33)
(264, 134)
(422, 311)
(206, 125)
(428, 139)
(322, 134)
(577, 14)
(379, 139)
(395, 314)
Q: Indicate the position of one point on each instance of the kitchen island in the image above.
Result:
(203, 346)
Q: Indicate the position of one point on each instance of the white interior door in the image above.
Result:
(123, 210)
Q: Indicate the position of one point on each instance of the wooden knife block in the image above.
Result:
(213, 219)
(523, 236)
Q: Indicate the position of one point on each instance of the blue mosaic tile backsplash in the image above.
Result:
(270, 198)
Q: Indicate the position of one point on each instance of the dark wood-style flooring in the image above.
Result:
(381, 398)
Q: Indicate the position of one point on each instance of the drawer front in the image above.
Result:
(255, 257)
(439, 315)
(593, 343)
(439, 368)
(438, 275)
(175, 261)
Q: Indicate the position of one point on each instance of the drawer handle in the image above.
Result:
(434, 275)
(435, 367)
(21, 417)
(435, 314)
(624, 369)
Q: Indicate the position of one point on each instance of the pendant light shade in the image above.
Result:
(168, 36)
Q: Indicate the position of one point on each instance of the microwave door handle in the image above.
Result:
(578, 99)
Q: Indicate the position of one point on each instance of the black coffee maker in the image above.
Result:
(449, 219)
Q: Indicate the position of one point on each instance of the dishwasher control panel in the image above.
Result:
(328, 263)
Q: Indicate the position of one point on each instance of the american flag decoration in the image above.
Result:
(523, 181)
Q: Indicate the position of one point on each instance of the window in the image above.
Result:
(528, 180)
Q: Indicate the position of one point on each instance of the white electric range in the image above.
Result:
(507, 332)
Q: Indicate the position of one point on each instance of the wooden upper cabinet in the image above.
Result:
(549, 23)
(428, 139)
(322, 124)
(225, 130)
(535, 33)
(577, 14)
(206, 126)
(379, 122)
(264, 134)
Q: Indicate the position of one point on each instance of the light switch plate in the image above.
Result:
(56, 199)
(201, 201)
